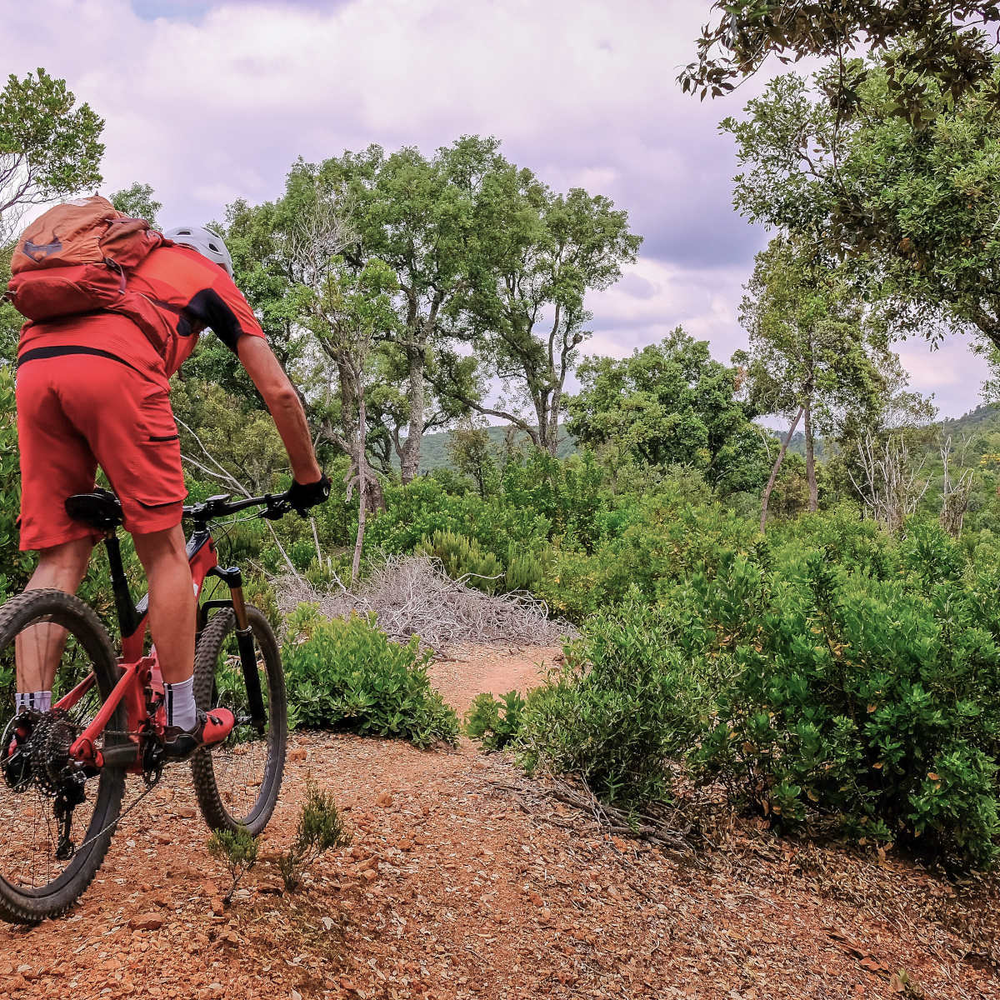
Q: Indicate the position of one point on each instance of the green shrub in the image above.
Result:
(302, 553)
(13, 565)
(526, 570)
(238, 850)
(495, 722)
(869, 701)
(416, 511)
(347, 674)
(860, 546)
(661, 540)
(626, 701)
(461, 556)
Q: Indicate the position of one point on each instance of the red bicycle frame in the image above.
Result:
(140, 672)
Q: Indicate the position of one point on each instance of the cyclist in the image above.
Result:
(93, 390)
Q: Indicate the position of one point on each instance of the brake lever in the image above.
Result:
(277, 511)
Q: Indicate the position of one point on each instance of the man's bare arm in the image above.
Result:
(290, 419)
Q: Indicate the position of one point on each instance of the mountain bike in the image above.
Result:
(61, 796)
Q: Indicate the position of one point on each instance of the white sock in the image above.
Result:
(181, 709)
(40, 701)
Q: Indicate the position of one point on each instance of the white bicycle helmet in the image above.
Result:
(209, 244)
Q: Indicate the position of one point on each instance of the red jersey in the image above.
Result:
(189, 293)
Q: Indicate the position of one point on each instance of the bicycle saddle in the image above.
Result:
(100, 509)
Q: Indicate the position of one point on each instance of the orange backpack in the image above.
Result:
(76, 258)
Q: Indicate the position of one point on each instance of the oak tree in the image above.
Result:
(49, 146)
(923, 47)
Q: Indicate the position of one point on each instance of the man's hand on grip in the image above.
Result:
(302, 496)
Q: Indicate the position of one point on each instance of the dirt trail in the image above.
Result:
(464, 881)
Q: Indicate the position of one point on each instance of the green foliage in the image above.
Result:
(495, 722)
(48, 147)
(813, 348)
(923, 49)
(462, 557)
(862, 692)
(238, 850)
(10, 319)
(243, 440)
(138, 201)
(320, 829)
(912, 206)
(627, 700)
(13, 566)
(415, 512)
(536, 253)
(653, 543)
(347, 674)
(670, 403)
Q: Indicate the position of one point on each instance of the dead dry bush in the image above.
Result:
(412, 595)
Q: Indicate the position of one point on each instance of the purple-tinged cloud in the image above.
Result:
(211, 101)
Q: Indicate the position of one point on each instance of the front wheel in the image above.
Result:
(238, 780)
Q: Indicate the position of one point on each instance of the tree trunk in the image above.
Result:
(766, 498)
(811, 461)
(409, 461)
(362, 485)
(553, 424)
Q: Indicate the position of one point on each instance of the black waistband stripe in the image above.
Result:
(38, 353)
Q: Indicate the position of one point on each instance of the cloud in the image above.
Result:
(210, 101)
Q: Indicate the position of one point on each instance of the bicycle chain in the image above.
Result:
(151, 777)
(121, 815)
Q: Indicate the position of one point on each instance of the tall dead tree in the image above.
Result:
(888, 482)
(955, 493)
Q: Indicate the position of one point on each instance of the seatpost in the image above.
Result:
(128, 619)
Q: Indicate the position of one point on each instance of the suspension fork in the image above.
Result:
(233, 578)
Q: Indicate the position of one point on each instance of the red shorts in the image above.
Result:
(78, 411)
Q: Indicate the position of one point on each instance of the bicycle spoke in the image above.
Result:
(240, 764)
(29, 826)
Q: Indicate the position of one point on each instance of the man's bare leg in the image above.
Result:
(39, 648)
(172, 603)
(173, 610)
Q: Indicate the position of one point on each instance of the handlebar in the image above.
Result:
(275, 505)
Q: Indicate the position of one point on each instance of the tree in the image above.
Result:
(10, 318)
(523, 314)
(813, 354)
(924, 47)
(669, 403)
(417, 215)
(138, 201)
(48, 147)
(470, 449)
(347, 310)
(911, 210)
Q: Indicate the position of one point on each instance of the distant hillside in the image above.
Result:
(434, 448)
(983, 419)
(797, 446)
(980, 421)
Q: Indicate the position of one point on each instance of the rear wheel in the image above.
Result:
(56, 821)
(238, 781)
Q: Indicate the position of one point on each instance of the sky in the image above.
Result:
(213, 100)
